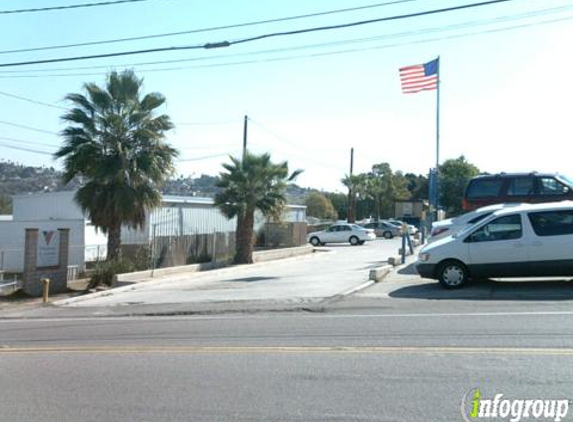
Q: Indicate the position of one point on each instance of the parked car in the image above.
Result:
(451, 226)
(398, 223)
(529, 240)
(383, 229)
(342, 233)
(516, 187)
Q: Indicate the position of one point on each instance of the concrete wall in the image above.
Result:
(285, 235)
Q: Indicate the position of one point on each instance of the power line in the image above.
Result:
(313, 55)
(20, 141)
(18, 97)
(469, 24)
(259, 37)
(26, 149)
(367, 22)
(210, 29)
(71, 6)
(27, 127)
(202, 158)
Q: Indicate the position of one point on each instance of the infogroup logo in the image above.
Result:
(475, 407)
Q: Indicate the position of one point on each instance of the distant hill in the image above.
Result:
(18, 179)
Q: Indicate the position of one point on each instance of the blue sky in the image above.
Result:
(505, 104)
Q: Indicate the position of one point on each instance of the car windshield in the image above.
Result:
(566, 179)
(469, 226)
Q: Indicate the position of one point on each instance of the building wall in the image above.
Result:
(46, 206)
(12, 236)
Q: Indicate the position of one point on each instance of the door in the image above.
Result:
(499, 249)
(330, 235)
(551, 248)
(344, 233)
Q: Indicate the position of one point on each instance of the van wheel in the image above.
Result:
(353, 240)
(452, 274)
(387, 235)
(315, 241)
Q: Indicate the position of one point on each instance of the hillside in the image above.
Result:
(18, 179)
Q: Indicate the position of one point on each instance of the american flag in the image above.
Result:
(420, 77)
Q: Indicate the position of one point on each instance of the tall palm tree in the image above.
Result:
(356, 185)
(115, 145)
(253, 183)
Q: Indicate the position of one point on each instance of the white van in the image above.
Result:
(451, 226)
(530, 240)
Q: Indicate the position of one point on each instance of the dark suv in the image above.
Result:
(516, 187)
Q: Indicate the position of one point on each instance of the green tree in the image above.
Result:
(418, 185)
(454, 175)
(115, 143)
(339, 202)
(253, 183)
(383, 187)
(5, 204)
(320, 206)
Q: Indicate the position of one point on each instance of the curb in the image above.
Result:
(378, 274)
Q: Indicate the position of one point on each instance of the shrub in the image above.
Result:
(105, 271)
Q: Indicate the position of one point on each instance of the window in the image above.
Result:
(521, 186)
(479, 218)
(334, 228)
(345, 228)
(480, 188)
(502, 228)
(550, 186)
(552, 223)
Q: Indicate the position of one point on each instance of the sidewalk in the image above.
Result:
(307, 283)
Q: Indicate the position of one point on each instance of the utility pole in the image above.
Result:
(245, 136)
(351, 160)
(351, 214)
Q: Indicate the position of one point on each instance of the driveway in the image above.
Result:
(328, 272)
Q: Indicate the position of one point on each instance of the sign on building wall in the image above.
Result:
(48, 248)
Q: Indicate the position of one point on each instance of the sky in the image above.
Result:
(504, 102)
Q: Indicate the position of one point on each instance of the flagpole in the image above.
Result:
(438, 140)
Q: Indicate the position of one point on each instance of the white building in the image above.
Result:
(177, 216)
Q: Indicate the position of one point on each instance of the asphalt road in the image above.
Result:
(334, 366)
(402, 350)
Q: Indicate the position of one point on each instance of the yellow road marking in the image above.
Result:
(290, 350)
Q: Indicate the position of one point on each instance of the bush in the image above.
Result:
(105, 271)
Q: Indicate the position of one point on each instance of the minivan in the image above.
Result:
(516, 187)
(529, 240)
(450, 226)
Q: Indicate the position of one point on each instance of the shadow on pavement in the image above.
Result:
(252, 279)
(533, 290)
(408, 270)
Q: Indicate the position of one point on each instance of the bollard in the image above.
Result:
(403, 249)
(45, 289)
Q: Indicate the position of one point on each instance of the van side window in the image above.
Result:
(552, 223)
(503, 228)
(521, 186)
(480, 188)
(550, 186)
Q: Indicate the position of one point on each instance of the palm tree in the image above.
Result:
(253, 183)
(115, 145)
(355, 184)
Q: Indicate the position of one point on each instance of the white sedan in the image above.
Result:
(342, 233)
